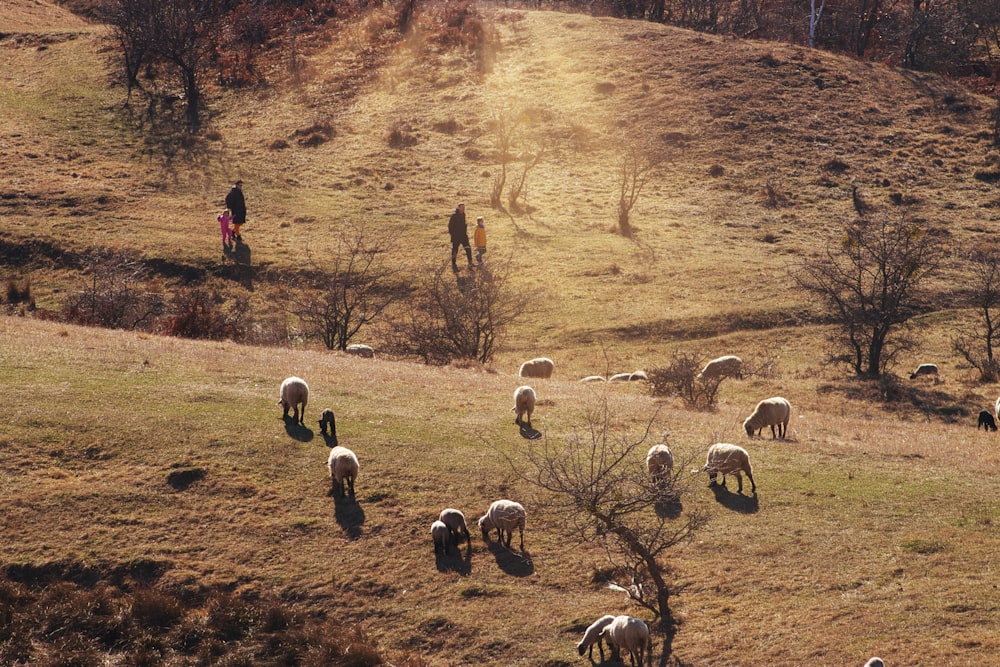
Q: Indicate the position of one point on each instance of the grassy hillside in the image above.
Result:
(876, 528)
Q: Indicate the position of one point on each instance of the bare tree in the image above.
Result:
(636, 166)
(534, 154)
(347, 292)
(869, 279)
(595, 486)
(115, 295)
(502, 127)
(977, 342)
(680, 378)
(459, 317)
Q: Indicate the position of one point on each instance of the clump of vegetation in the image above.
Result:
(59, 621)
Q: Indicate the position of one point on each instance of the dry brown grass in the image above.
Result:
(876, 531)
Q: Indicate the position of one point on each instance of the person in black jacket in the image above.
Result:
(237, 205)
(459, 232)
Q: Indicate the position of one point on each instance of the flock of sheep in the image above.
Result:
(621, 633)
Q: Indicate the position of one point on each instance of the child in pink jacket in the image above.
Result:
(227, 233)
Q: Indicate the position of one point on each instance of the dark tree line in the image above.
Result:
(947, 36)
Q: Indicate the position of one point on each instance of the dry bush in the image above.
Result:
(197, 313)
(19, 291)
(680, 378)
(401, 136)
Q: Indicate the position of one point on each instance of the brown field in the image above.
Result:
(876, 529)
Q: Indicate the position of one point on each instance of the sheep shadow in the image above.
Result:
(529, 433)
(297, 431)
(511, 562)
(348, 514)
(736, 502)
(330, 439)
(454, 561)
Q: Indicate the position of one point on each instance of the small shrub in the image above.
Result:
(836, 166)
(716, 170)
(449, 126)
(278, 144)
(987, 175)
(18, 291)
(400, 136)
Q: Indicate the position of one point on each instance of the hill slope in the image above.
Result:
(874, 531)
(789, 132)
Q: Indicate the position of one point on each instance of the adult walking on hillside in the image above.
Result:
(237, 205)
(459, 232)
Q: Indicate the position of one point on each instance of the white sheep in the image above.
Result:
(638, 376)
(439, 533)
(620, 377)
(996, 409)
(293, 393)
(629, 634)
(594, 635)
(659, 463)
(359, 350)
(726, 459)
(537, 368)
(875, 662)
(455, 522)
(327, 420)
(594, 378)
(504, 516)
(343, 466)
(524, 404)
(774, 411)
(727, 366)
(924, 369)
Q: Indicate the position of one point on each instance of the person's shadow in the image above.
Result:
(240, 254)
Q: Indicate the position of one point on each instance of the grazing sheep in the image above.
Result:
(620, 377)
(659, 463)
(875, 662)
(638, 376)
(925, 369)
(439, 533)
(727, 366)
(629, 634)
(343, 466)
(725, 459)
(537, 368)
(359, 350)
(294, 392)
(594, 635)
(774, 411)
(524, 404)
(594, 378)
(328, 420)
(455, 522)
(986, 421)
(504, 516)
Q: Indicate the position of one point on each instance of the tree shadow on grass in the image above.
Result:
(736, 502)
(453, 561)
(297, 431)
(510, 561)
(348, 513)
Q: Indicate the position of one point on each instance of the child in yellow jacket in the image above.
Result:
(479, 238)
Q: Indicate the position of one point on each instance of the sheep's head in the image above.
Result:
(485, 525)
